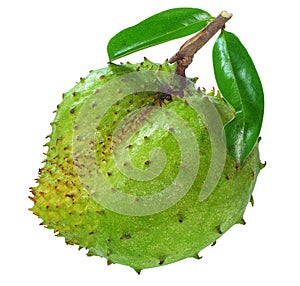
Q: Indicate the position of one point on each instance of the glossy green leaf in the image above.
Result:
(159, 28)
(240, 84)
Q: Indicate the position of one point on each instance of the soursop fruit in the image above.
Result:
(140, 175)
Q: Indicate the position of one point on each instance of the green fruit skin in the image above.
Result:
(178, 232)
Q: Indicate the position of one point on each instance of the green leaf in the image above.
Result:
(159, 28)
(239, 83)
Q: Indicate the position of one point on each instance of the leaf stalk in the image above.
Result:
(184, 57)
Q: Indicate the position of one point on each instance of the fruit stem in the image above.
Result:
(184, 56)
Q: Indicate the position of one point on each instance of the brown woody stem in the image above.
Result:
(184, 56)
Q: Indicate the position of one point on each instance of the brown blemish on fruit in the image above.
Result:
(71, 196)
(125, 236)
(100, 212)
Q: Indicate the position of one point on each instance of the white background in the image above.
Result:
(46, 46)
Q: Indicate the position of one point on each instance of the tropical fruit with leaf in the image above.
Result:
(143, 167)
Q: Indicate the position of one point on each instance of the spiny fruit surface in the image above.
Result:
(69, 205)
